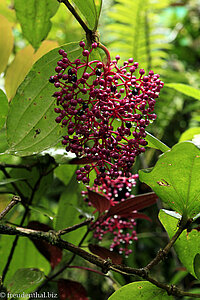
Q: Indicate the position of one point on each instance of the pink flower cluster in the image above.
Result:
(105, 109)
(120, 226)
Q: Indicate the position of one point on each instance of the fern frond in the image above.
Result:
(135, 32)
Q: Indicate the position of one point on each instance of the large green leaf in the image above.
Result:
(143, 290)
(3, 108)
(187, 246)
(31, 125)
(69, 212)
(34, 17)
(175, 178)
(153, 142)
(185, 89)
(88, 9)
(24, 278)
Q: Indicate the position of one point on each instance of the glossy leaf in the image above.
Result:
(31, 125)
(7, 11)
(175, 178)
(3, 141)
(24, 278)
(71, 290)
(34, 17)
(65, 173)
(52, 253)
(105, 253)
(88, 9)
(196, 264)
(22, 64)
(189, 134)
(98, 4)
(127, 207)
(43, 210)
(153, 142)
(142, 290)
(185, 89)
(172, 213)
(6, 42)
(3, 108)
(100, 202)
(188, 244)
(10, 180)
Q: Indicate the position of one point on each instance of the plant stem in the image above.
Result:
(88, 32)
(105, 265)
(14, 201)
(74, 227)
(163, 252)
(101, 46)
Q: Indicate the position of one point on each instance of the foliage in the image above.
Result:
(58, 235)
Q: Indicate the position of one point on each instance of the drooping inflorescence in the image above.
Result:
(105, 110)
(120, 227)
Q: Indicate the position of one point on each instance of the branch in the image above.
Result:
(23, 199)
(88, 32)
(24, 215)
(74, 227)
(14, 201)
(106, 265)
(163, 252)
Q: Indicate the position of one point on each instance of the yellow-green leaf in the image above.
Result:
(6, 42)
(22, 64)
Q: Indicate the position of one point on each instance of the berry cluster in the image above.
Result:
(122, 228)
(105, 109)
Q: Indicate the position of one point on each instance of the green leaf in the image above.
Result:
(34, 17)
(68, 212)
(172, 213)
(185, 89)
(65, 172)
(10, 180)
(3, 108)
(189, 134)
(188, 244)
(196, 265)
(98, 4)
(22, 64)
(24, 278)
(25, 255)
(88, 9)
(6, 42)
(31, 126)
(43, 210)
(143, 290)
(60, 155)
(135, 34)
(175, 178)
(155, 143)
(3, 141)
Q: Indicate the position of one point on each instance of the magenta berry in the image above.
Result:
(82, 44)
(91, 95)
